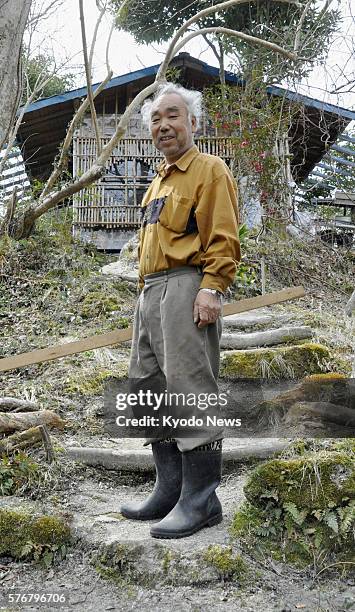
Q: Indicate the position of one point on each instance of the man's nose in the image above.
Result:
(164, 124)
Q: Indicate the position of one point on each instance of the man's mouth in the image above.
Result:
(165, 138)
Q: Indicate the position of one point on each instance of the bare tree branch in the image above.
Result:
(88, 72)
(250, 39)
(57, 171)
(219, 55)
(39, 85)
(44, 12)
(94, 36)
(300, 25)
(108, 47)
(75, 121)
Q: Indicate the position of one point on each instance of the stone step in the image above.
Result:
(126, 546)
(268, 337)
(259, 318)
(130, 456)
(125, 549)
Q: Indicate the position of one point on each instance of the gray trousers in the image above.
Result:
(168, 347)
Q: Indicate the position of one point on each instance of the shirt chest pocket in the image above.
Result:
(178, 214)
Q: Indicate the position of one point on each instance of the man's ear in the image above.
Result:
(193, 124)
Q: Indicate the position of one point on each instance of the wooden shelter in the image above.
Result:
(107, 213)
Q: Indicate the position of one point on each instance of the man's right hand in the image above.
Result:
(207, 308)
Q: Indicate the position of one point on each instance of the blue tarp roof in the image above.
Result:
(211, 70)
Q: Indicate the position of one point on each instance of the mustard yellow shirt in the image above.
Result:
(190, 217)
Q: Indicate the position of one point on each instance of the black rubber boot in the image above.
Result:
(198, 505)
(167, 488)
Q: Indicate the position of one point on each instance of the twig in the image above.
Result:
(319, 280)
(262, 271)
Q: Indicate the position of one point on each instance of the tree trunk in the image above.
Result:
(13, 18)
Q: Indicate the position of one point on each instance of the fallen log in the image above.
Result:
(21, 421)
(121, 335)
(16, 405)
(324, 411)
(21, 440)
(269, 337)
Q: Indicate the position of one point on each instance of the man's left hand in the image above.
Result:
(207, 308)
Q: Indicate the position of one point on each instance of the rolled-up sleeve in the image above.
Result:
(217, 220)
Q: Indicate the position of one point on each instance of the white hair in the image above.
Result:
(192, 99)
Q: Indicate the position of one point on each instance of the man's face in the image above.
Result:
(171, 127)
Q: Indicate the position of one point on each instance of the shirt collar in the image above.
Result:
(182, 163)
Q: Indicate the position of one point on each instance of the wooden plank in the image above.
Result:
(291, 293)
(122, 335)
(63, 350)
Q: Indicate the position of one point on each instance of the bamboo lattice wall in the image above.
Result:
(114, 201)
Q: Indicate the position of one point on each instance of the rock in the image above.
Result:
(300, 507)
(126, 267)
(265, 338)
(118, 269)
(279, 362)
(129, 253)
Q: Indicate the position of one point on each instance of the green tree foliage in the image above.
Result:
(37, 70)
(273, 21)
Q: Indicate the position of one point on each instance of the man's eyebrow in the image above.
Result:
(170, 109)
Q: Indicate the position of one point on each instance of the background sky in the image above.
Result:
(61, 32)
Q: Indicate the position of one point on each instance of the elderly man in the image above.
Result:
(188, 253)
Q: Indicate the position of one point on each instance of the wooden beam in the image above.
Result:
(277, 297)
(122, 335)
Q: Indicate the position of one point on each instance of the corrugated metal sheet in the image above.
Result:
(14, 175)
